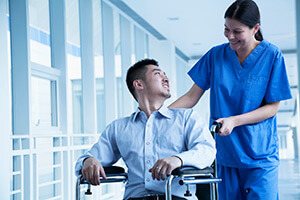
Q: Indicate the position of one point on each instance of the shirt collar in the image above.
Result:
(164, 111)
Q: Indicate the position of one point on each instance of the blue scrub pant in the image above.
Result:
(248, 183)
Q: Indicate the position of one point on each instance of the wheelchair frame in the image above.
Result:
(188, 176)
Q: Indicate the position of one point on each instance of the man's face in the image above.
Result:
(157, 83)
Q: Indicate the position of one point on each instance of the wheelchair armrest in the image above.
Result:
(189, 170)
(111, 170)
(113, 174)
(114, 170)
(194, 175)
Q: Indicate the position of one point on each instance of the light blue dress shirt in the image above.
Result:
(141, 141)
(241, 88)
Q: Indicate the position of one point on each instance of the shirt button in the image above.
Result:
(148, 125)
(147, 179)
(148, 161)
(147, 143)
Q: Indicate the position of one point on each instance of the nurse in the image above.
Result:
(247, 80)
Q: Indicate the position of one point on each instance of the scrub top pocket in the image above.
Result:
(255, 88)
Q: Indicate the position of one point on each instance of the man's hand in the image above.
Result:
(91, 170)
(165, 167)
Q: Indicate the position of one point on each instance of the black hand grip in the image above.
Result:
(215, 127)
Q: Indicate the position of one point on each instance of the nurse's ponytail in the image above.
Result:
(258, 35)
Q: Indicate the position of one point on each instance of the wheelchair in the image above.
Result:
(188, 176)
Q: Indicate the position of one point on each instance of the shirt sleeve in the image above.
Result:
(200, 144)
(200, 72)
(105, 150)
(278, 87)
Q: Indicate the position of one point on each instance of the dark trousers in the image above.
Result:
(203, 191)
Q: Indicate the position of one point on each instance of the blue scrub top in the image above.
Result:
(240, 88)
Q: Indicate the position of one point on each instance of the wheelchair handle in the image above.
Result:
(215, 127)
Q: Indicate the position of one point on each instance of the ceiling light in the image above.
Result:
(173, 18)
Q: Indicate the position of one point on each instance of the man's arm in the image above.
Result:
(105, 151)
(199, 142)
(200, 148)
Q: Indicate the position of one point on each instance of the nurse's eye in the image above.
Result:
(237, 32)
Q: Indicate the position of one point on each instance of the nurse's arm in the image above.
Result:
(255, 116)
(190, 99)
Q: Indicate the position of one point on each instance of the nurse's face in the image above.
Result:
(239, 35)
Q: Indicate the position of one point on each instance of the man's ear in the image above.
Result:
(138, 84)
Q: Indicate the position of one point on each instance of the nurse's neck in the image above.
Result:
(242, 54)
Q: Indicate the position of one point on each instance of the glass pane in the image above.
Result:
(77, 106)
(99, 68)
(16, 196)
(140, 43)
(16, 144)
(16, 182)
(16, 163)
(40, 102)
(56, 158)
(100, 98)
(133, 56)
(49, 191)
(25, 143)
(117, 43)
(39, 32)
(74, 62)
(147, 46)
(118, 69)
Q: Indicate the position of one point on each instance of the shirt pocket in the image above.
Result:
(255, 88)
(170, 143)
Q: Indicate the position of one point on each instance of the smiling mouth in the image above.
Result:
(234, 43)
(166, 85)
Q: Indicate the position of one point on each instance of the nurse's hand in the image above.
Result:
(227, 126)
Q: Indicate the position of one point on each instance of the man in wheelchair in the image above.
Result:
(153, 141)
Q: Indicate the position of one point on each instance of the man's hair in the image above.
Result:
(138, 71)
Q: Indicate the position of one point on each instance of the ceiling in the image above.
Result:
(194, 26)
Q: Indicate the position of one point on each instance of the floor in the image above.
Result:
(289, 180)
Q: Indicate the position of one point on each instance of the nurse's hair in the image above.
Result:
(138, 71)
(246, 12)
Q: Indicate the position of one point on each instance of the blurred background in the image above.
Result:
(63, 66)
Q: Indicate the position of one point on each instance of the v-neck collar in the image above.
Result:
(252, 57)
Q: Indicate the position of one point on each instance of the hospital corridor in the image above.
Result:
(64, 68)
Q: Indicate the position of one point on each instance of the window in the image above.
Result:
(43, 100)
(99, 68)
(74, 63)
(40, 51)
(118, 68)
